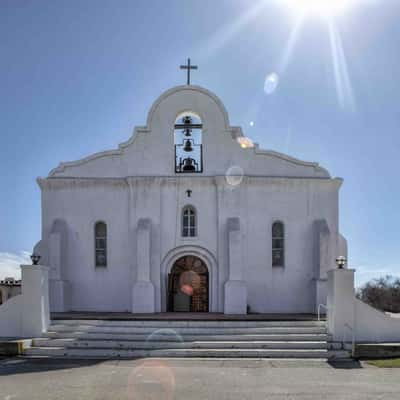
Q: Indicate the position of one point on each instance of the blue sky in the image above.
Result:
(77, 76)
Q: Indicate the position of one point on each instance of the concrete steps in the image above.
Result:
(181, 353)
(188, 330)
(166, 336)
(132, 345)
(192, 323)
(217, 339)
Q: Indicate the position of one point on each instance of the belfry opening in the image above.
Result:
(188, 143)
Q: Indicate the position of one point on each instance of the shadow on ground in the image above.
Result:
(17, 365)
(345, 364)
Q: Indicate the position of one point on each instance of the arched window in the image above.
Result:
(189, 222)
(100, 243)
(188, 143)
(278, 244)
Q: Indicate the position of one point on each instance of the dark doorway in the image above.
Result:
(188, 285)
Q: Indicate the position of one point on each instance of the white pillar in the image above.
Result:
(235, 300)
(341, 304)
(59, 288)
(55, 255)
(35, 300)
(143, 295)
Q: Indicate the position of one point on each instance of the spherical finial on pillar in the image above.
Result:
(35, 259)
(341, 262)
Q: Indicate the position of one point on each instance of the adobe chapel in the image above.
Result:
(189, 215)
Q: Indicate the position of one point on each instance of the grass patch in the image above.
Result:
(388, 363)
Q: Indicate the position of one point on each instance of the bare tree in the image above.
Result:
(382, 293)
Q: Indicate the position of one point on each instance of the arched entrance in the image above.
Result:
(188, 285)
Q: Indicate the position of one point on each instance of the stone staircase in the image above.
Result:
(79, 338)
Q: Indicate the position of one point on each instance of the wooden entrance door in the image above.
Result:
(188, 285)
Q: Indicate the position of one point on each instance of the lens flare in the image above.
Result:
(234, 175)
(271, 83)
(153, 380)
(187, 289)
(164, 335)
(245, 142)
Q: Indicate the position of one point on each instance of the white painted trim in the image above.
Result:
(115, 152)
(62, 181)
(290, 159)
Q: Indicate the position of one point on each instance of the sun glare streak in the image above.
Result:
(327, 9)
(288, 51)
(226, 33)
(344, 89)
(343, 86)
(320, 8)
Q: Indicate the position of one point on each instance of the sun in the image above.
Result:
(319, 8)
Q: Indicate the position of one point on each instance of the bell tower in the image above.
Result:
(188, 145)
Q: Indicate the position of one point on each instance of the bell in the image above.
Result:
(187, 120)
(188, 165)
(187, 132)
(188, 146)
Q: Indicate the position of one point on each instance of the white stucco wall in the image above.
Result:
(138, 181)
(349, 318)
(27, 314)
(81, 205)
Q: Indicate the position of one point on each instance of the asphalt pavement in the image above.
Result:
(167, 379)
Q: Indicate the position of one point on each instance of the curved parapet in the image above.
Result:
(220, 108)
(373, 325)
(150, 150)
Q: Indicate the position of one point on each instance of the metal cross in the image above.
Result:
(188, 67)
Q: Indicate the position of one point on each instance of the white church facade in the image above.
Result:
(188, 216)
